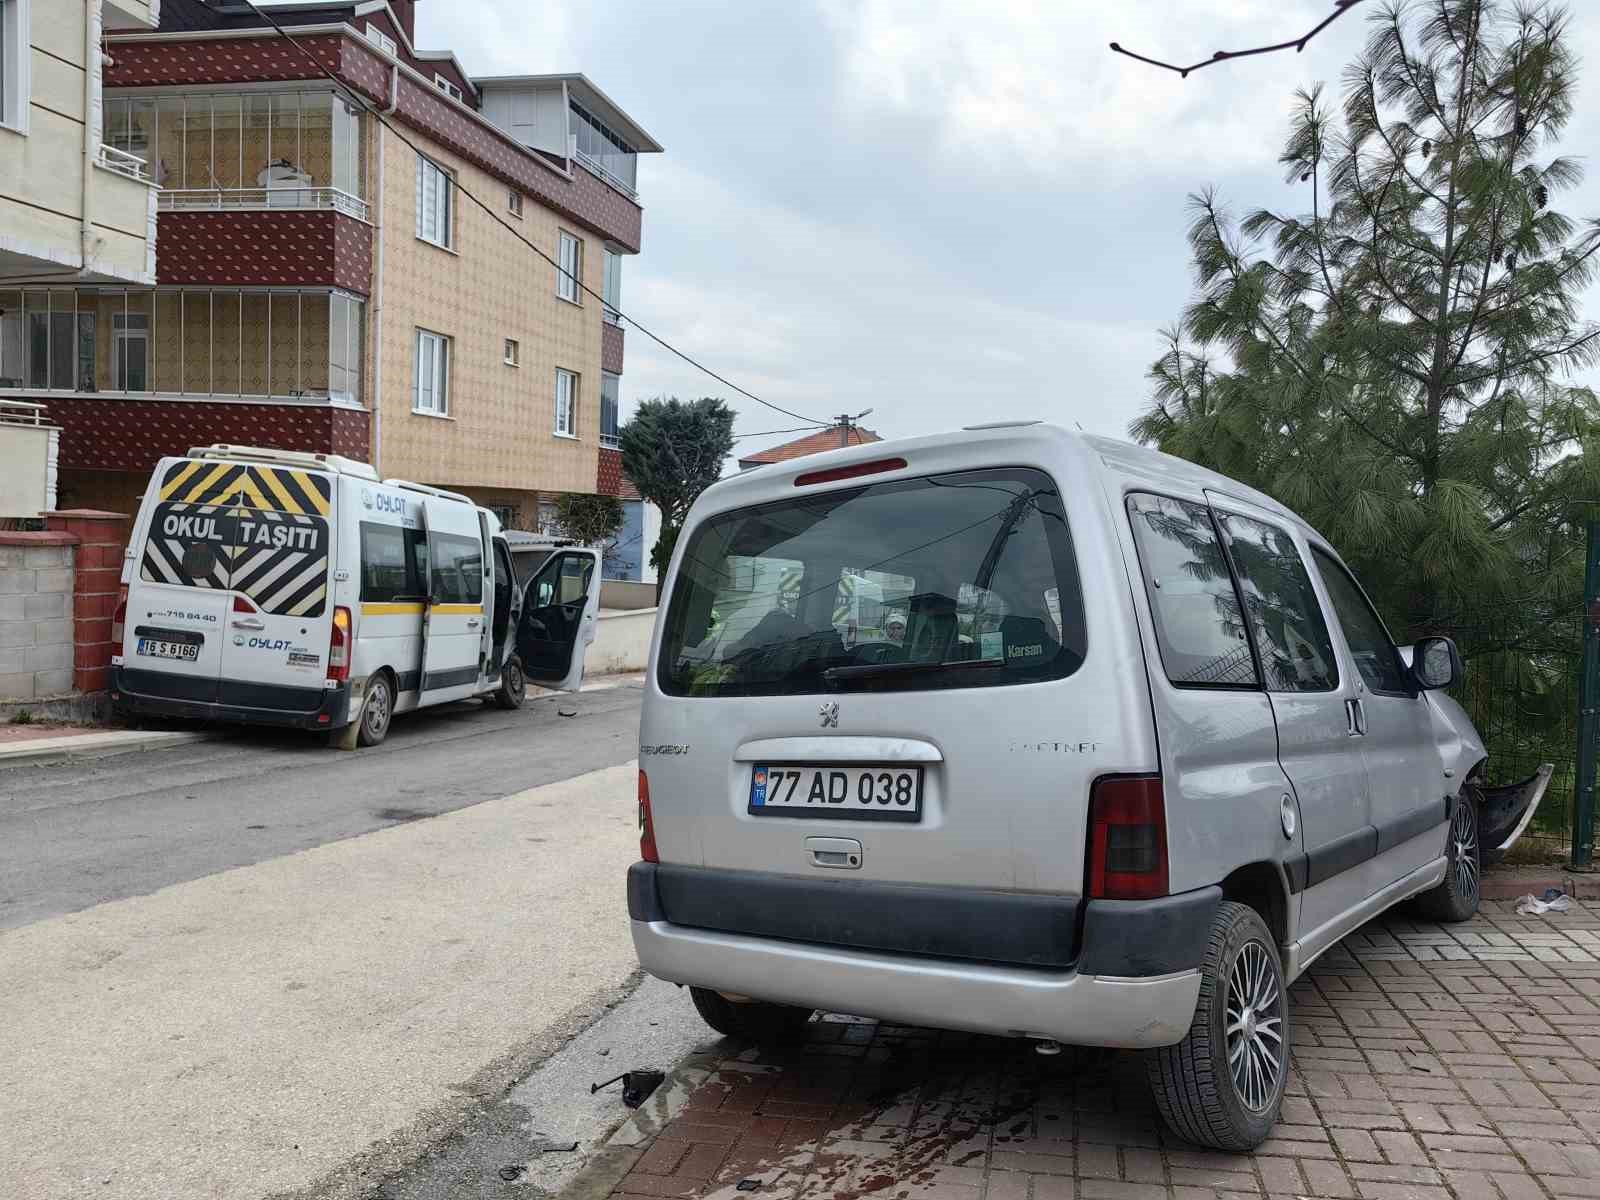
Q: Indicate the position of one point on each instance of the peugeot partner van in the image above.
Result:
(1143, 751)
(297, 589)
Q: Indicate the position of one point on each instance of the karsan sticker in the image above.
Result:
(301, 658)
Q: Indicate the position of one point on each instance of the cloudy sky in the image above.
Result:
(948, 211)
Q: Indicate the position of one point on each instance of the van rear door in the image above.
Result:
(452, 634)
(276, 651)
(560, 610)
(178, 597)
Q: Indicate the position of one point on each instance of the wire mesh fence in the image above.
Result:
(1521, 690)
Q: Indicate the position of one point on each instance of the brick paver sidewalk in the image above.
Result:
(1429, 1062)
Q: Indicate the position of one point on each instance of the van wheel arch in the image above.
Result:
(1261, 886)
(355, 734)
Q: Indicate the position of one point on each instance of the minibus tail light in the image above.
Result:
(339, 646)
(119, 618)
(241, 605)
(852, 472)
(647, 824)
(1127, 838)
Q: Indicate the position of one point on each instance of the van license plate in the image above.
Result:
(155, 648)
(878, 793)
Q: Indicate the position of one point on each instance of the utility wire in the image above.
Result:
(1340, 7)
(775, 432)
(367, 107)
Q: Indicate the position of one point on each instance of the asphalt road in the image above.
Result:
(77, 834)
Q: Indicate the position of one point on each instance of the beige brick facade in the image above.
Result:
(499, 435)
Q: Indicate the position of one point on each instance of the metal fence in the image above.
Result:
(1524, 664)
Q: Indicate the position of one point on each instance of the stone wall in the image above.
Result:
(37, 637)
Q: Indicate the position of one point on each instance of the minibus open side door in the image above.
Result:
(560, 611)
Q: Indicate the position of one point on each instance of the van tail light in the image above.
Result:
(339, 646)
(1127, 838)
(241, 605)
(647, 824)
(119, 618)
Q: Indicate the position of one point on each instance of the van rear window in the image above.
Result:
(958, 580)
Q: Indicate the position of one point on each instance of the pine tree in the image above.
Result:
(1397, 363)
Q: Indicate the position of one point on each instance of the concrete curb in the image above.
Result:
(611, 1162)
(1515, 882)
(38, 751)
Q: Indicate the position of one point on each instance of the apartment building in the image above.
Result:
(323, 282)
(71, 205)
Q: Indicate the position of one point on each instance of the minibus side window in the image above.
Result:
(457, 569)
(391, 568)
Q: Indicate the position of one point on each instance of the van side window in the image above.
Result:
(1199, 624)
(1369, 642)
(1291, 635)
(391, 567)
(457, 569)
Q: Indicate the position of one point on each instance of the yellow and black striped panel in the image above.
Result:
(190, 545)
(280, 561)
(279, 489)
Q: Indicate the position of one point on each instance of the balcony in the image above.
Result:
(290, 346)
(130, 165)
(278, 149)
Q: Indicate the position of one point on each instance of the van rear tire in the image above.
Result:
(1200, 1097)
(753, 1021)
(377, 711)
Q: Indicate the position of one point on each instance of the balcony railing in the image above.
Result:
(20, 412)
(302, 198)
(594, 168)
(124, 163)
(610, 441)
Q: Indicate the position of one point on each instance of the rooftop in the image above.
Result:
(831, 438)
(582, 89)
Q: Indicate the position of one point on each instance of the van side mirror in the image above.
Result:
(1436, 663)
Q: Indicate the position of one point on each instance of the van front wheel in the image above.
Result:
(513, 687)
(753, 1020)
(1221, 1087)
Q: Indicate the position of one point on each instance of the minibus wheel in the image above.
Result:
(752, 1020)
(377, 710)
(1222, 1086)
(513, 689)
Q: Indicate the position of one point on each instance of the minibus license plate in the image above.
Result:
(876, 793)
(156, 648)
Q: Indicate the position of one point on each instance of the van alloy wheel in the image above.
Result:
(1456, 896)
(1222, 1085)
(1255, 1027)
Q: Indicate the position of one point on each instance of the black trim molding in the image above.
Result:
(1132, 938)
(1364, 844)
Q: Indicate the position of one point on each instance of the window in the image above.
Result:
(611, 288)
(1291, 636)
(513, 352)
(600, 146)
(514, 202)
(130, 352)
(394, 563)
(432, 394)
(14, 64)
(609, 386)
(549, 522)
(566, 404)
(435, 203)
(567, 584)
(457, 576)
(381, 40)
(1369, 642)
(1198, 623)
(445, 86)
(569, 254)
(968, 577)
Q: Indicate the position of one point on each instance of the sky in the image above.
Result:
(946, 211)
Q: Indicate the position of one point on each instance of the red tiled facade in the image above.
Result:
(608, 481)
(265, 249)
(110, 434)
(611, 348)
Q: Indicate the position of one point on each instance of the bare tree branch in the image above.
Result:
(1340, 7)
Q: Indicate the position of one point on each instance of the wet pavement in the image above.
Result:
(1429, 1063)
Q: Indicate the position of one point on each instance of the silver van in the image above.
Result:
(1128, 751)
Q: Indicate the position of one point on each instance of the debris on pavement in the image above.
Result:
(747, 1185)
(1553, 900)
(550, 1147)
(636, 1085)
(510, 1172)
(566, 712)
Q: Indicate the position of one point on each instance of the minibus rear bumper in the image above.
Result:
(147, 694)
(1149, 1002)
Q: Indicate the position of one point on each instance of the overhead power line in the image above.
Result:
(377, 114)
(1340, 7)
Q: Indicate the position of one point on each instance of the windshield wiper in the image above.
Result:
(834, 676)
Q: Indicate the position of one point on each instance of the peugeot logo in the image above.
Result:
(829, 714)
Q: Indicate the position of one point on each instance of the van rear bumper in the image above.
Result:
(1080, 1010)
(131, 694)
(794, 940)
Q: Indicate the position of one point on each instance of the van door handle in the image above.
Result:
(249, 623)
(1355, 719)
